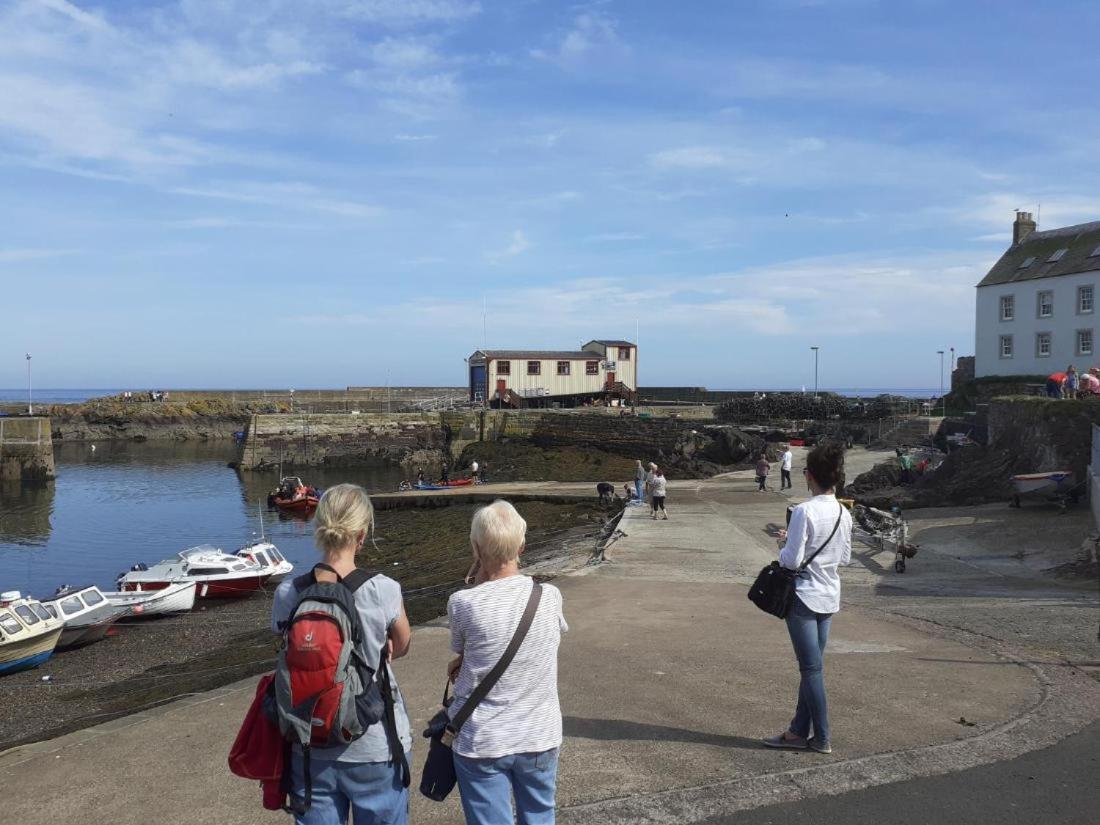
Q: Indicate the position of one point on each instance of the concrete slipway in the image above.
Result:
(668, 678)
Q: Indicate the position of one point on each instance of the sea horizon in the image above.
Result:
(80, 395)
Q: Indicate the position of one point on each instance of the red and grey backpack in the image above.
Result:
(326, 694)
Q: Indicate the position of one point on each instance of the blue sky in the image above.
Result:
(291, 193)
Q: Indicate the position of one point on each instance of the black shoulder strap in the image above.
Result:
(389, 720)
(491, 678)
(356, 579)
(836, 527)
(306, 579)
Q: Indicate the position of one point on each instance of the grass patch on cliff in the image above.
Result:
(521, 461)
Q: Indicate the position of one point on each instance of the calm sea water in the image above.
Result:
(125, 503)
(19, 396)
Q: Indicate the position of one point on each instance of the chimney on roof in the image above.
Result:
(1023, 226)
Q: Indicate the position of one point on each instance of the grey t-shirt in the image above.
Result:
(379, 605)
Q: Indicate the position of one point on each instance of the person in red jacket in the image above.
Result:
(1055, 384)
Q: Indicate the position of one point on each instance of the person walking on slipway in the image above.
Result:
(785, 462)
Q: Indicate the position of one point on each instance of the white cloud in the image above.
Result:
(695, 157)
(199, 64)
(405, 12)
(292, 195)
(518, 246)
(616, 237)
(997, 210)
(591, 32)
(8, 256)
(835, 297)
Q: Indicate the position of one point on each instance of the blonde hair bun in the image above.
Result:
(343, 513)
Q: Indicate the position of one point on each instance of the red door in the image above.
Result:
(611, 379)
(500, 387)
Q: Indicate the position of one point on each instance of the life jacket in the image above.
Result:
(326, 693)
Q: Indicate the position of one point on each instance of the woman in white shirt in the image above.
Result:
(822, 522)
(509, 745)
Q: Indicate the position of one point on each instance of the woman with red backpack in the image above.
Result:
(367, 776)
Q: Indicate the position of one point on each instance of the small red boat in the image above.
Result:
(293, 496)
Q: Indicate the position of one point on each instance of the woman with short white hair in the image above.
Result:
(508, 748)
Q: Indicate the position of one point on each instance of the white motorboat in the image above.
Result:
(178, 597)
(28, 632)
(218, 575)
(267, 555)
(87, 614)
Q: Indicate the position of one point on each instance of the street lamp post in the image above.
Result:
(815, 349)
(943, 401)
(30, 397)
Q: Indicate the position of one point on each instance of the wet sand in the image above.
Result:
(145, 664)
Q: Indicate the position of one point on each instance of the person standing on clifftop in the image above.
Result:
(1072, 382)
(762, 470)
(785, 462)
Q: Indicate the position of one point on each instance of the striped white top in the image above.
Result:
(521, 714)
(659, 486)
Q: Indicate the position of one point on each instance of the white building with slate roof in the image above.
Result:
(1037, 307)
(601, 369)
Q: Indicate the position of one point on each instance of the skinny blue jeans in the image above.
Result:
(488, 785)
(372, 791)
(809, 633)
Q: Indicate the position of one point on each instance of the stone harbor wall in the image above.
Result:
(338, 439)
(26, 449)
(430, 439)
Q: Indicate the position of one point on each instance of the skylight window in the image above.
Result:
(1095, 253)
(1057, 255)
(1027, 262)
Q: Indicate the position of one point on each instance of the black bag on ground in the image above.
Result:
(439, 779)
(773, 590)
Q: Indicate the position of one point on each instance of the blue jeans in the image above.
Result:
(809, 633)
(638, 489)
(371, 790)
(487, 787)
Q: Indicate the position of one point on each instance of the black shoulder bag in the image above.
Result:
(439, 778)
(773, 590)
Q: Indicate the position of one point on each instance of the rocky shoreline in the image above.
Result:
(111, 419)
(146, 664)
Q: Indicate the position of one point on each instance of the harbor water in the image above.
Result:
(126, 502)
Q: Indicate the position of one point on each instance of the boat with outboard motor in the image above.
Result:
(28, 632)
(294, 496)
(268, 557)
(86, 612)
(218, 575)
(178, 597)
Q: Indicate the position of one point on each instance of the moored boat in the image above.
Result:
(86, 612)
(268, 557)
(178, 597)
(444, 485)
(217, 575)
(28, 632)
(293, 495)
